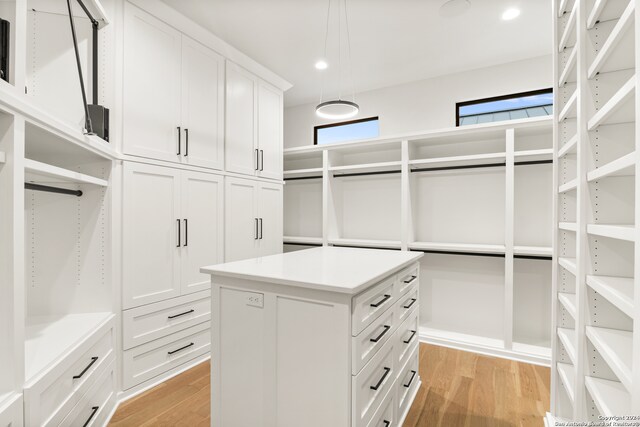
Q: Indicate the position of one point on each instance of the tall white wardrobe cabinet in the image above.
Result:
(194, 123)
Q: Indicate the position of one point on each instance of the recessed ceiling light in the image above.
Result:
(321, 64)
(510, 14)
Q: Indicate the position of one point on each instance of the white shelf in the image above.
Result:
(458, 247)
(610, 397)
(568, 264)
(569, 109)
(563, 7)
(567, 337)
(368, 167)
(568, 378)
(568, 226)
(569, 147)
(569, 303)
(569, 186)
(567, 35)
(366, 243)
(44, 173)
(623, 166)
(620, 37)
(617, 290)
(619, 109)
(616, 348)
(452, 337)
(534, 155)
(596, 10)
(302, 240)
(459, 160)
(568, 68)
(294, 173)
(51, 338)
(620, 232)
(533, 250)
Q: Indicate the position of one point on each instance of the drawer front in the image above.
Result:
(385, 415)
(11, 412)
(372, 384)
(151, 359)
(372, 339)
(406, 338)
(407, 278)
(407, 383)
(407, 303)
(370, 304)
(48, 401)
(149, 322)
(96, 405)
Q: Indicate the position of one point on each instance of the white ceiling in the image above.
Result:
(392, 41)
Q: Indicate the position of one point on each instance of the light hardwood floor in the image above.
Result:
(459, 389)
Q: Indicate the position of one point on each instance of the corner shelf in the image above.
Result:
(620, 232)
(610, 397)
(568, 264)
(619, 109)
(51, 338)
(367, 243)
(616, 348)
(567, 337)
(568, 378)
(458, 247)
(569, 303)
(617, 290)
(302, 240)
(569, 147)
(620, 36)
(623, 166)
(43, 172)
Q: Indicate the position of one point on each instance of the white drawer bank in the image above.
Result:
(320, 337)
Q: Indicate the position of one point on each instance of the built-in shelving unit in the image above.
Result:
(596, 304)
(476, 199)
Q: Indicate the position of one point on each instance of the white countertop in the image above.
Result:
(335, 269)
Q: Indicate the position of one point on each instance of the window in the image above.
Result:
(346, 131)
(509, 107)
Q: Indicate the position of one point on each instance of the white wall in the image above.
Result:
(426, 104)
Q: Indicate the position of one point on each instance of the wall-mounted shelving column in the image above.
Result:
(509, 185)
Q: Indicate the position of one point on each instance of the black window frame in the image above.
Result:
(499, 98)
(348, 122)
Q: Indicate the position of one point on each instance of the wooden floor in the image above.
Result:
(458, 389)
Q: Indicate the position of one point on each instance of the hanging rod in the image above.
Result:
(46, 188)
(298, 178)
(364, 247)
(533, 162)
(433, 251)
(534, 257)
(342, 175)
(301, 244)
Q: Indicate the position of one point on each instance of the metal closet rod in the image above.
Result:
(442, 168)
(48, 189)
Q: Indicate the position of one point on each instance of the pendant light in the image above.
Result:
(338, 109)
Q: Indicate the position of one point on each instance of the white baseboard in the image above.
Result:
(484, 349)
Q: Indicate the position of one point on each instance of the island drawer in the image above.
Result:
(406, 338)
(149, 322)
(370, 304)
(408, 381)
(371, 340)
(385, 416)
(407, 278)
(372, 384)
(407, 303)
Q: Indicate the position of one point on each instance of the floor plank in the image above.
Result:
(458, 389)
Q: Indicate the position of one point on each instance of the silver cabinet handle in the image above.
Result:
(179, 141)
(261, 160)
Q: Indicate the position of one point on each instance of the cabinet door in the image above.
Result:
(202, 105)
(270, 213)
(270, 139)
(151, 86)
(202, 199)
(240, 124)
(241, 226)
(150, 227)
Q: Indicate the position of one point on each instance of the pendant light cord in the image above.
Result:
(350, 64)
(326, 38)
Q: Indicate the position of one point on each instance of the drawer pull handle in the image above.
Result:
(84, 371)
(382, 301)
(413, 375)
(379, 337)
(381, 380)
(408, 340)
(94, 410)
(180, 349)
(386, 423)
(411, 279)
(413, 301)
(181, 314)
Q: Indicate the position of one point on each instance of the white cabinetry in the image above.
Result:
(254, 125)
(172, 225)
(253, 215)
(173, 94)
